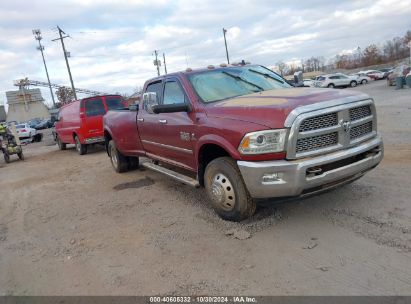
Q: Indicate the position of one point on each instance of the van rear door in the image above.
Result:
(93, 121)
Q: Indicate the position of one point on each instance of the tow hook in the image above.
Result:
(314, 171)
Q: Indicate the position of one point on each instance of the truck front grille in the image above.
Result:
(361, 130)
(317, 132)
(319, 122)
(360, 112)
(317, 142)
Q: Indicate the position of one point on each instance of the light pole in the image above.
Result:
(225, 42)
(37, 36)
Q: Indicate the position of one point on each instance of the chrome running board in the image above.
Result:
(175, 175)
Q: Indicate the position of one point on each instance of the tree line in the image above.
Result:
(394, 49)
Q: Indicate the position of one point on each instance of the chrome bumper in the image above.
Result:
(293, 179)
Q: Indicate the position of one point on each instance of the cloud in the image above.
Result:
(112, 41)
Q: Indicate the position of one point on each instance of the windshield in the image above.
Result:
(214, 85)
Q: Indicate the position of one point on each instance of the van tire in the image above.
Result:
(119, 162)
(81, 149)
(62, 146)
(226, 189)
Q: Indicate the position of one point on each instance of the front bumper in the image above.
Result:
(311, 175)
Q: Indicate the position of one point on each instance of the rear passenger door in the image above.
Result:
(93, 122)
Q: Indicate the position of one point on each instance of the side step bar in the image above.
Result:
(177, 176)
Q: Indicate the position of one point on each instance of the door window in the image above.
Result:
(114, 103)
(94, 107)
(173, 93)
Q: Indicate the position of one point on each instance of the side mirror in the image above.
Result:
(149, 101)
(133, 107)
(170, 108)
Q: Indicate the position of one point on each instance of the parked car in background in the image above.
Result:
(44, 124)
(81, 122)
(334, 81)
(24, 131)
(361, 78)
(308, 82)
(374, 74)
(34, 122)
(386, 71)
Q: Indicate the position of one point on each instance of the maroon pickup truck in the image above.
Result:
(244, 133)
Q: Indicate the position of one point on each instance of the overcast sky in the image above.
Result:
(112, 41)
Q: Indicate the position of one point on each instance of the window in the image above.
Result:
(173, 93)
(94, 107)
(156, 88)
(333, 77)
(114, 103)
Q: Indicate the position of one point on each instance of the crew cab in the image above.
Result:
(244, 134)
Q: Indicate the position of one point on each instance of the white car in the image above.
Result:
(334, 81)
(374, 74)
(361, 78)
(308, 82)
(25, 131)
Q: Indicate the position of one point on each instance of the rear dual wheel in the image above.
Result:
(120, 162)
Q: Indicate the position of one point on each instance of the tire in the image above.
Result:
(353, 84)
(81, 149)
(226, 189)
(20, 155)
(133, 162)
(364, 81)
(62, 146)
(331, 86)
(119, 162)
(6, 157)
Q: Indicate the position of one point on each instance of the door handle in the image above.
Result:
(162, 121)
(140, 119)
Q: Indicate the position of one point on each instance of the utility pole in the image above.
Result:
(157, 62)
(164, 61)
(65, 57)
(409, 45)
(225, 42)
(37, 36)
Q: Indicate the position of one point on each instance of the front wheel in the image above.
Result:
(62, 146)
(331, 86)
(81, 149)
(353, 84)
(227, 191)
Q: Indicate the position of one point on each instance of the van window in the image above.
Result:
(173, 93)
(114, 103)
(94, 107)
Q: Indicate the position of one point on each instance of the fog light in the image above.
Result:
(271, 177)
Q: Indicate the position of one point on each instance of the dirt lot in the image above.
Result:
(69, 225)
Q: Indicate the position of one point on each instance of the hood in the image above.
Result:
(271, 108)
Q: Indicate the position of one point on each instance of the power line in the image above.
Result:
(38, 37)
(65, 57)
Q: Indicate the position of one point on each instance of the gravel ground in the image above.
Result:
(69, 225)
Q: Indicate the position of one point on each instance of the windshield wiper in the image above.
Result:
(266, 75)
(243, 80)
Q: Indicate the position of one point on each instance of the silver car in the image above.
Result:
(334, 81)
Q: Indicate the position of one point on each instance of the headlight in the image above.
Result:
(261, 142)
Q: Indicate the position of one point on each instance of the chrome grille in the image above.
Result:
(341, 126)
(316, 142)
(360, 112)
(319, 122)
(361, 130)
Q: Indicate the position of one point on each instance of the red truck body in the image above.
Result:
(192, 139)
(83, 120)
